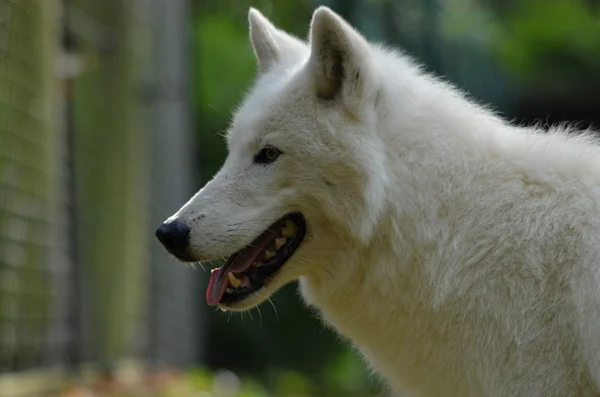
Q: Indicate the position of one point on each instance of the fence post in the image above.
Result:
(174, 306)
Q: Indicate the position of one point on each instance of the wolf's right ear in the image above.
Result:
(271, 45)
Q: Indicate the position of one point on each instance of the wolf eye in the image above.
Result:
(267, 155)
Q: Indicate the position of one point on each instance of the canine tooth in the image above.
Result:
(256, 264)
(269, 254)
(279, 242)
(233, 280)
(213, 270)
(229, 290)
(289, 229)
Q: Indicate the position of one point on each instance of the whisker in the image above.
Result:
(259, 316)
(214, 108)
(274, 309)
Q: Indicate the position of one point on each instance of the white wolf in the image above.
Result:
(460, 254)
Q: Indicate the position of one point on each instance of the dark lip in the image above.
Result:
(261, 276)
(181, 257)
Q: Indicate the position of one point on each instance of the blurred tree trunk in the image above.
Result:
(111, 152)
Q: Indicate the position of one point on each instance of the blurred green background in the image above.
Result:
(112, 114)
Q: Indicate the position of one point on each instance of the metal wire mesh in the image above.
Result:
(32, 298)
(97, 132)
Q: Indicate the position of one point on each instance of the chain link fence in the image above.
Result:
(32, 299)
(87, 167)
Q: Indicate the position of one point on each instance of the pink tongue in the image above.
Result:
(216, 286)
(219, 281)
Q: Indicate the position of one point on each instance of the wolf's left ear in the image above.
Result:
(340, 58)
(272, 45)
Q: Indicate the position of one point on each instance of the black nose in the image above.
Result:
(175, 236)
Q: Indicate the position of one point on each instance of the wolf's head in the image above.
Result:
(304, 179)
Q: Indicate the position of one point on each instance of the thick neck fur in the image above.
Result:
(434, 286)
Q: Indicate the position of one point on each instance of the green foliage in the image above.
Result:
(346, 376)
(346, 373)
(546, 40)
(225, 64)
(224, 67)
(293, 384)
(462, 18)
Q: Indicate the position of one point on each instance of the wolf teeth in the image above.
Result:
(235, 282)
(269, 254)
(279, 242)
(289, 229)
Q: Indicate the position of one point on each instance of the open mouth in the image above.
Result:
(252, 267)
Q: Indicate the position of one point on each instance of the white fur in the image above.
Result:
(459, 253)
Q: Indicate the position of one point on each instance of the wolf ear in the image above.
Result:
(270, 44)
(340, 58)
